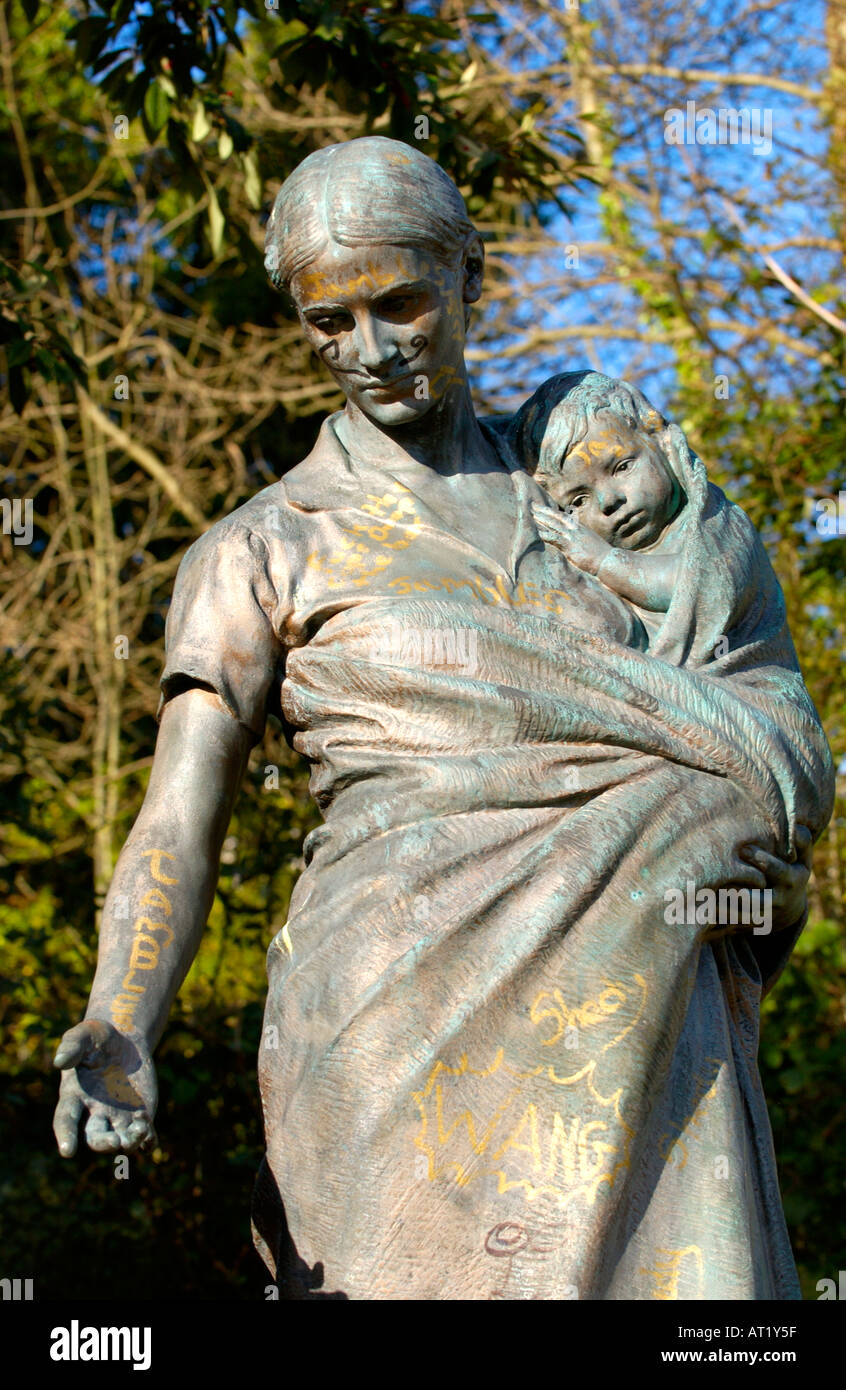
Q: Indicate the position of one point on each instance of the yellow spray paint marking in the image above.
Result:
(668, 1271)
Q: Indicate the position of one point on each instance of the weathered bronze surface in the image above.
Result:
(512, 1020)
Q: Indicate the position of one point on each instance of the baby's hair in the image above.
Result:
(364, 192)
(560, 413)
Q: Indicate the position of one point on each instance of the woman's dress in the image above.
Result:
(493, 1064)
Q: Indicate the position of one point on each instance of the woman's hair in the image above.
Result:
(367, 192)
(560, 413)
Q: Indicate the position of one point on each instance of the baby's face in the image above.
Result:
(618, 483)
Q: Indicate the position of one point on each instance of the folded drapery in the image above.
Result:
(488, 1058)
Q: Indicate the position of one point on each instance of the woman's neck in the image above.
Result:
(446, 439)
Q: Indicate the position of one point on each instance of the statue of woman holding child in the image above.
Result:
(512, 1022)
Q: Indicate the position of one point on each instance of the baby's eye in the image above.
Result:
(624, 465)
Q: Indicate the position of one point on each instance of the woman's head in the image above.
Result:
(373, 241)
(367, 192)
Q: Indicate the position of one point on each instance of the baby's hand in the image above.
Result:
(580, 545)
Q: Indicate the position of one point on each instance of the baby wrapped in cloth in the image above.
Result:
(689, 560)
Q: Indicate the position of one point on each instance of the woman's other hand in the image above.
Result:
(110, 1079)
(788, 881)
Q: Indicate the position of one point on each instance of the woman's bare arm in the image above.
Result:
(153, 919)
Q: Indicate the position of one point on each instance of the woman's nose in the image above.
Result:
(374, 347)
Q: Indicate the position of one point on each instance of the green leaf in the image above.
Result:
(157, 106)
(18, 352)
(225, 144)
(253, 186)
(217, 222)
(46, 361)
(200, 124)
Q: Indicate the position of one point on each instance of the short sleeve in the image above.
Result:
(219, 632)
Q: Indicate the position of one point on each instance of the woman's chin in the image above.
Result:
(393, 413)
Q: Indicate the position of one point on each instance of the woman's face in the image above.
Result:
(389, 323)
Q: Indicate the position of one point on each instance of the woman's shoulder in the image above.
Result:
(320, 481)
(258, 514)
(230, 550)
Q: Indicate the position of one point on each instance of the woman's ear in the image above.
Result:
(473, 264)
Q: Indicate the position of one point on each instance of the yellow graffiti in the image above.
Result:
(585, 1015)
(314, 284)
(156, 898)
(567, 1158)
(147, 924)
(156, 856)
(146, 948)
(145, 953)
(118, 1087)
(525, 595)
(667, 1272)
(521, 1137)
(359, 555)
(442, 380)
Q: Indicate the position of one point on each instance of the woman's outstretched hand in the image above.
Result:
(788, 881)
(110, 1078)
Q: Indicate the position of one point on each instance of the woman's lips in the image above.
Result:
(388, 385)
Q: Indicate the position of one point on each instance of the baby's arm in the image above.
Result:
(647, 580)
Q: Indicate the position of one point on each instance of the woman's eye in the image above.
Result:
(329, 323)
(400, 304)
(578, 501)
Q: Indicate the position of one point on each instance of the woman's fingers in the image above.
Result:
(99, 1134)
(777, 871)
(73, 1048)
(804, 845)
(133, 1130)
(66, 1123)
(82, 1045)
(786, 882)
(748, 876)
(554, 524)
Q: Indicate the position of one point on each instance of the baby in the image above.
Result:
(598, 448)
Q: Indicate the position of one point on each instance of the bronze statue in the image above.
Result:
(511, 1028)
